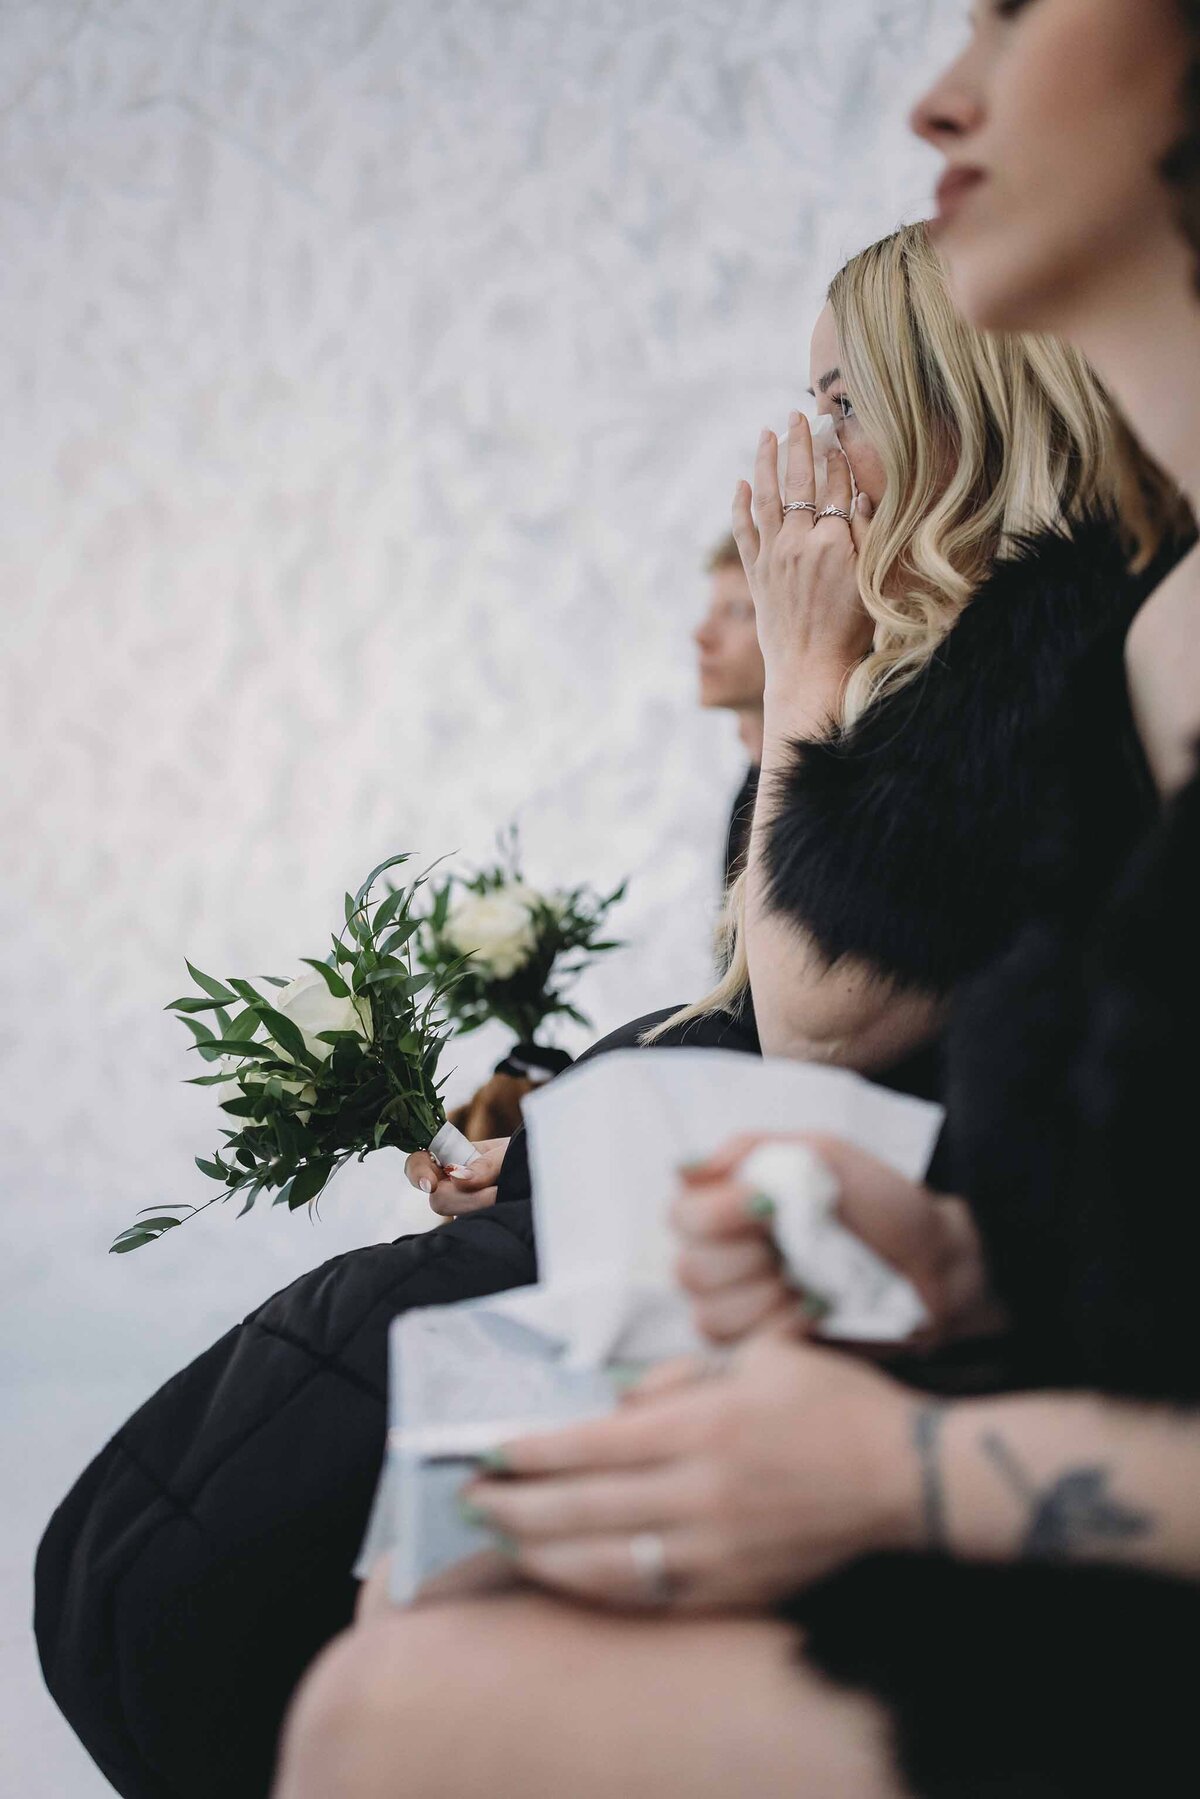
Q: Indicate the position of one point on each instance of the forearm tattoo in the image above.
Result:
(1072, 1516)
(927, 1433)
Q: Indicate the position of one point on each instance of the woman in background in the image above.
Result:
(1027, 1595)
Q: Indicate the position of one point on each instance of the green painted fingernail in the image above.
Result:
(815, 1308)
(471, 1514)
(761, 1205)
(494, 1460)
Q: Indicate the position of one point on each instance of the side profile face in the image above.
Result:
(730, 662)
(829, 388)
(1053, 122)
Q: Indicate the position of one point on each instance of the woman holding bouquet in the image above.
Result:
(204, 1557)
(1026, 1581)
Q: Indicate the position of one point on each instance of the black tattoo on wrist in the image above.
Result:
(1070, 1517)
(927, 1434)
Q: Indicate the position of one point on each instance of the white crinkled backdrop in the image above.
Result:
(374, 378)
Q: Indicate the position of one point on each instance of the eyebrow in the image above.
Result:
(826, 382)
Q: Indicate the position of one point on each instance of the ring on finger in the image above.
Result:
(649, 1557)
(832, 512)
(800, 506)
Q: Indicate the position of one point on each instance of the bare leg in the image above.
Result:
(523, 1695)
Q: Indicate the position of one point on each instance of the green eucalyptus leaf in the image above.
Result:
(308, 1181)
(333, 981)
(128, 1240)
(214, 989)
(285, 1033)
(213, 1170)
(189, 1003)
(392, 862)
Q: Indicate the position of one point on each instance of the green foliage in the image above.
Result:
(565, 935)
(296, 1116)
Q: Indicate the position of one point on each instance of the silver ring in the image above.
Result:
(832, 512)
(800, 506)
(650, 1566)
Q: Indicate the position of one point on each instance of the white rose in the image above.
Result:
(309, 1005)
(496, 928)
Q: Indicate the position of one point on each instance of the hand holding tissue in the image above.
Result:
(606, 1141)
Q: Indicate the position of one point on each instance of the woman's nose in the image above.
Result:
(950, 109)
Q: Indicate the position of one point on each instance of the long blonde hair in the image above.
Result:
(983, 439)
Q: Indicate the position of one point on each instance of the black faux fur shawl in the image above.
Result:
(905, 843)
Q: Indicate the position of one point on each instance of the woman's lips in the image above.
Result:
(953, 189)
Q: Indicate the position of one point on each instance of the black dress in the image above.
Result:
(203, 1558)
(1073, 1082)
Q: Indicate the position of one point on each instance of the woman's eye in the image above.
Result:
(844, 405)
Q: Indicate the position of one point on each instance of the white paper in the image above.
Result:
(606, 1140)
(868, 1301)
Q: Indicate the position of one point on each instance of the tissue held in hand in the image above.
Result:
(868, 1301)
(606, 1141)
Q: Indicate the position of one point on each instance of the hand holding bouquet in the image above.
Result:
(337, 1063)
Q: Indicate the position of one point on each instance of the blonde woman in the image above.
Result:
(914, 651)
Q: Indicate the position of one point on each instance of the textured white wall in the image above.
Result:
(373, 377)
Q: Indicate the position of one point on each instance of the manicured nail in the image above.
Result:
(793, 420)
(425, 1186)
(766, 435)
(864, 506)
(761, 1205)
(454, 1171)
(495, 1461)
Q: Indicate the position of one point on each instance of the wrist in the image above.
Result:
(904, 1487)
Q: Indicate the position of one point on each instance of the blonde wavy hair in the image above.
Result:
(983, 440)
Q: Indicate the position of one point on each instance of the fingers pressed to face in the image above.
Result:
(839, 489)
(768, 507)
(799, 482)
(744, 533)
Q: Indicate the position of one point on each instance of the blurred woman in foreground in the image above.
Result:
(1023, 1600)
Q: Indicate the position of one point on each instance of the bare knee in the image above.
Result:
(380, 1711)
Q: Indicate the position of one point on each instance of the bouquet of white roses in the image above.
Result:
(511, 950)
(336, 1063)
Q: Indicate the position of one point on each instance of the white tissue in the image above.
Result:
(826, 443)
(869, 1302)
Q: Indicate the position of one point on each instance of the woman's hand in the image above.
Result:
(452, 1191)
(803, 571)
(731, 1268)
(745, 1484)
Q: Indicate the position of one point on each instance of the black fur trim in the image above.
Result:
(904, 843)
